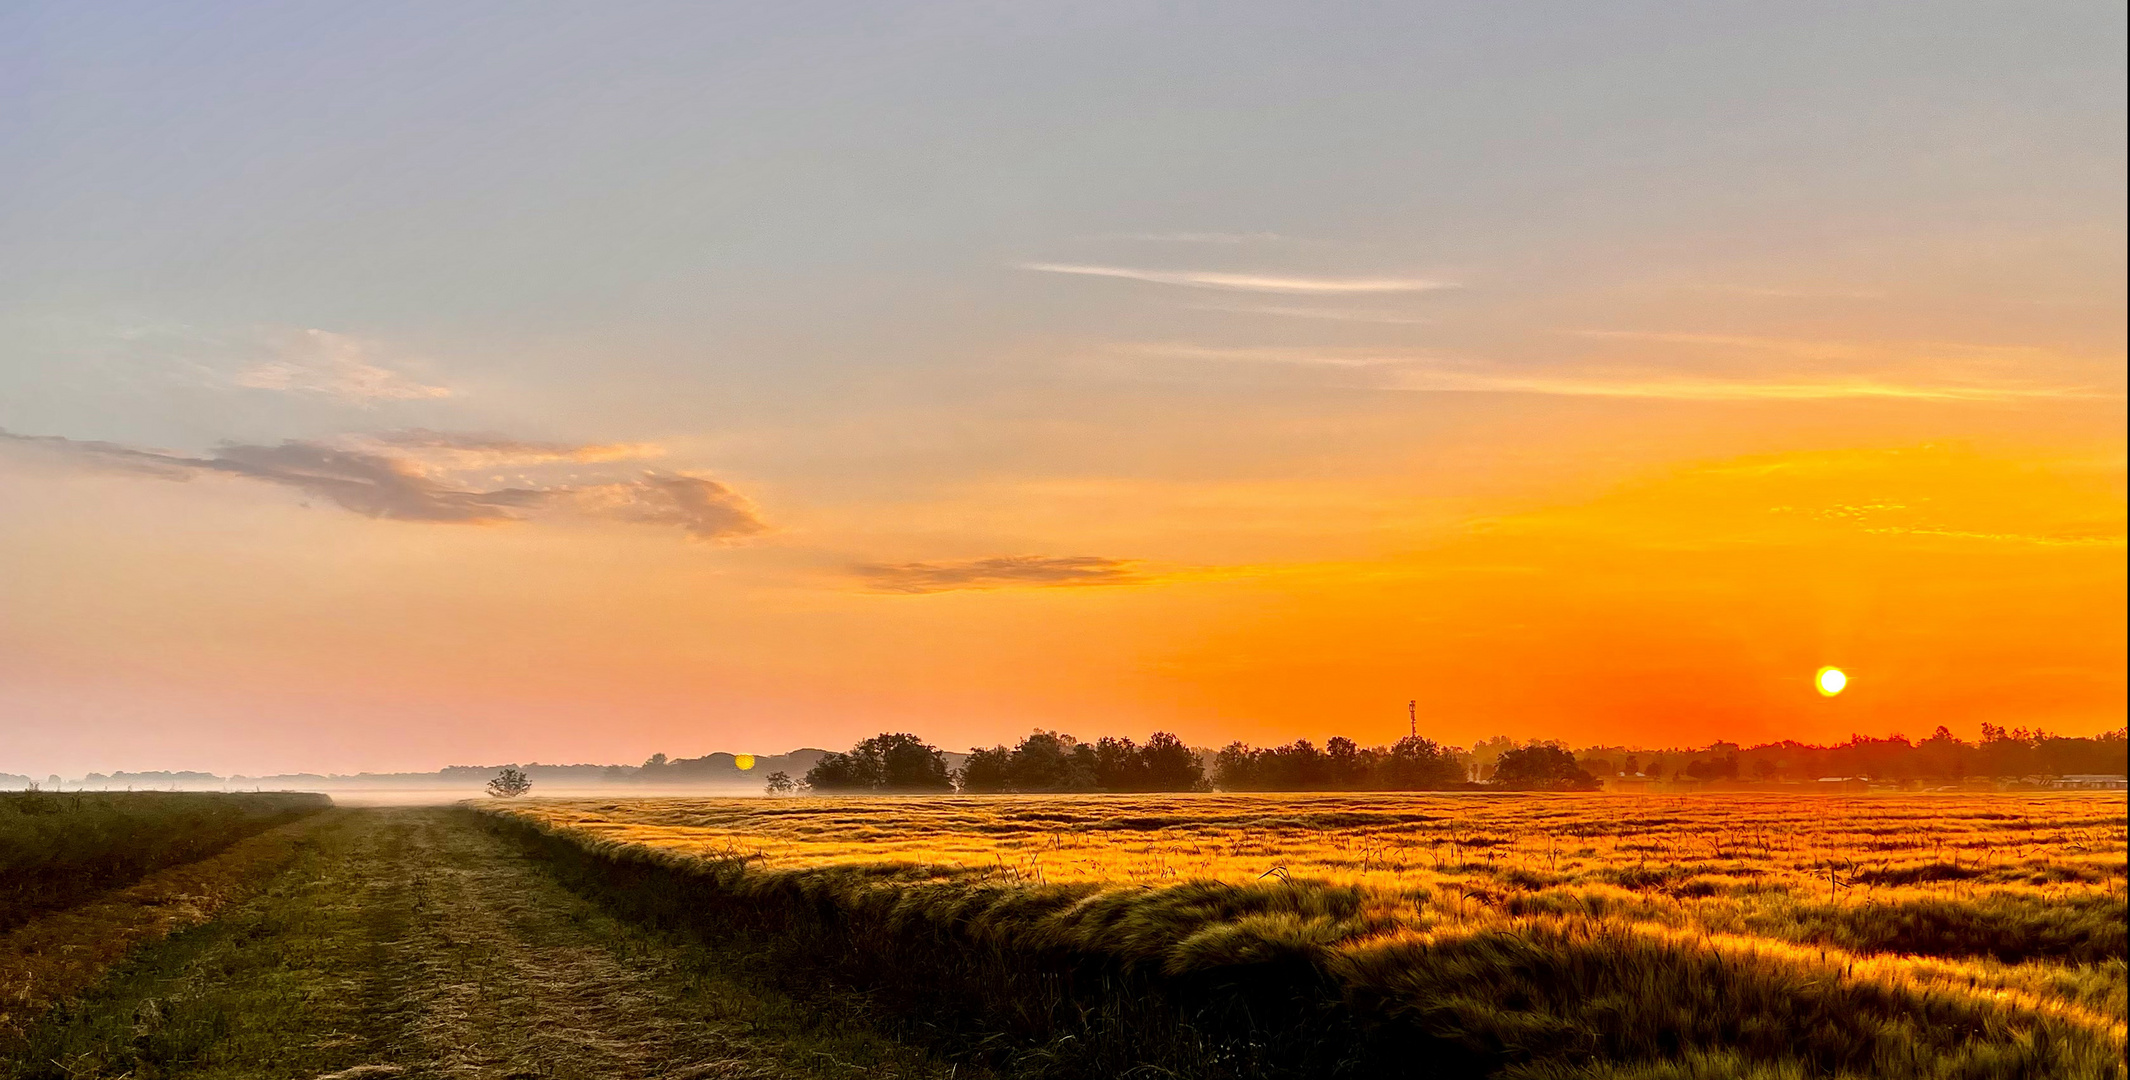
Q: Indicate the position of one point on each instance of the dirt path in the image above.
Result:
(498, 979)
(412, 943)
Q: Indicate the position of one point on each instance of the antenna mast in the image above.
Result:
(1412, 717)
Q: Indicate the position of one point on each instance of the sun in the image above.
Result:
(743, 761)
(1831, 681)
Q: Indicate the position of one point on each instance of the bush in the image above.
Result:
(509, 784)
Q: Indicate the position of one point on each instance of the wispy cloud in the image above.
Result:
(333, 365)
(1002, 571)
(698, 506)
(1271, 283)
(454, 450)
(1426, 372)
(1692, 388)
(402, 488)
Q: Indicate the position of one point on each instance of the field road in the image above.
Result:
(409, 942)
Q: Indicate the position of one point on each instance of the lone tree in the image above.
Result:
(781, 783)
(509, 784)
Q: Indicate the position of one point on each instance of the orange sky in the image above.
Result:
(578, 389)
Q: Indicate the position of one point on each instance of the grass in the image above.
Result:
(405, 943)
(58, 850)
(1315, 935)
(50, 959)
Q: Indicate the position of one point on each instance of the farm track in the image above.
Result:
(493, 977)
(411, 943)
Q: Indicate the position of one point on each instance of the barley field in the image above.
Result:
(1954, 935)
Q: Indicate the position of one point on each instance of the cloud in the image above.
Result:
(404, 488)
(463, 451)
(1003, 571)
(373, 485)
(1208, 279)
(332, 365)
(1695, 388)
(1429, 373)
(700, 507)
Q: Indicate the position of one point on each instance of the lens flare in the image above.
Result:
(1831, 681)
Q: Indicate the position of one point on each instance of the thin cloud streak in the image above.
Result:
(399, 488)
(333, 365)
(1003, 571)
(1822, 350)
(1699, 389)
(1432, 374)
(456, 450)
(1210, 279)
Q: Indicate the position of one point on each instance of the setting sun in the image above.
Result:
(1831, 681)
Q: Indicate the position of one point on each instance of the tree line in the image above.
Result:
(2001, 754)
(1052, 762)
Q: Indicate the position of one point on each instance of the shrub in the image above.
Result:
(509, 784)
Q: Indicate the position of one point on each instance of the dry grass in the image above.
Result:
(404, 943)
(1959, 935)
(58, 849)
(50, 959)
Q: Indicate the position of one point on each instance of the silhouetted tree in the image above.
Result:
(1346, 765)
(1235, 768)
(886, 762)
(984, 773)
(1120, 765)
(1540, 767)
(1723, 768)
(509, 784)
(780, 783)
(1168, 765)
(1418, 763)
(1049, 761)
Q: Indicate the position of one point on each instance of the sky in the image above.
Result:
(400, 384)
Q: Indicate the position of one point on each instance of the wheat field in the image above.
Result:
(1927, 935)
